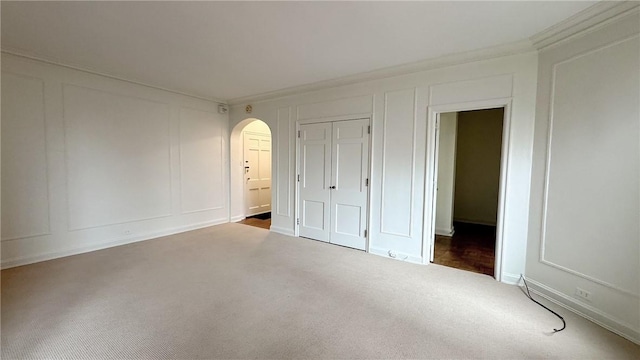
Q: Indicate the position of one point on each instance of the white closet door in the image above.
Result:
(315, 178)
(350, 166)
(257, 161)
(265, 174)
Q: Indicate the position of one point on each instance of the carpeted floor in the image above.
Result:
(235, 291)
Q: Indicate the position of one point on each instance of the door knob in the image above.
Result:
(332, 187)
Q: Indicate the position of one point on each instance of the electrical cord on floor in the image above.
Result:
(564, 323)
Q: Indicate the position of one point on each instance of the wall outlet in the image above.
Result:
(583, 294)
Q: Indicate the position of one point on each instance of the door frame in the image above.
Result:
(296, 208)
(236, 196)
(431, 173)
(244, 174)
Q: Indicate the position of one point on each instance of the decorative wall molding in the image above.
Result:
(57, 62)
(590, 19)
(155, 108)
(493, 87)
(594, 16)
(66, 86)
(547, 171)
(283, 208)
(518, 47)
(385, 122)
(180, 157)
(47, 176)
(346, 106)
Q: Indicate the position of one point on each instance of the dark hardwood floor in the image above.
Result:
(471, 248)
(257, 222)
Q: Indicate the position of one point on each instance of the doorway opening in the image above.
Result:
(468, 167)
(251, 173)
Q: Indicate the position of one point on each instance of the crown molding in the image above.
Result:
(593, 17)
(514, 48)
(589, 19)
(21, 54)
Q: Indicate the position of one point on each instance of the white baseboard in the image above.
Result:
(586, 311)
(237, 218)
(26, 260)
(283, 231)
(476, 222)
(398, 255)
(445, 232)
(511, 279)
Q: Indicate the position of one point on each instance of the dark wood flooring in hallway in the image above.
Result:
(471, 248)
(257, 222)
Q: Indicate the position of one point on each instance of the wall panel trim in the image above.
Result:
(180, 153)
(283, 126)
(66, 156)
(46, 157)
(547, 170)
(413, 164)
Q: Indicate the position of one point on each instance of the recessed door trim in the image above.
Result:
(431, 173)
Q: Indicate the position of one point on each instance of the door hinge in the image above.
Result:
(298, 133)
(369, 129)
(298, 221)
(366, 183)
(298, 177)
(365, 232)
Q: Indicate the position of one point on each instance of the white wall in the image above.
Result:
(258, 127)
(585, 198)
(478, 155)
(90, 162)
(398, 108)
(447, 136)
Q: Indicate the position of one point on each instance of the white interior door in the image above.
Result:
(334, 168)
(257, 165)
(315, 178)
(350, 169)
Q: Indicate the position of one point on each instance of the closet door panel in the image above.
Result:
(315, 178)
(350, 166)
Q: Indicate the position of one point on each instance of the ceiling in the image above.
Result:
(227, 50)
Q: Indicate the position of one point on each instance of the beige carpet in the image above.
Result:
(235, 291)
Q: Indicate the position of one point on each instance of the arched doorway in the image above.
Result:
(250, 145)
